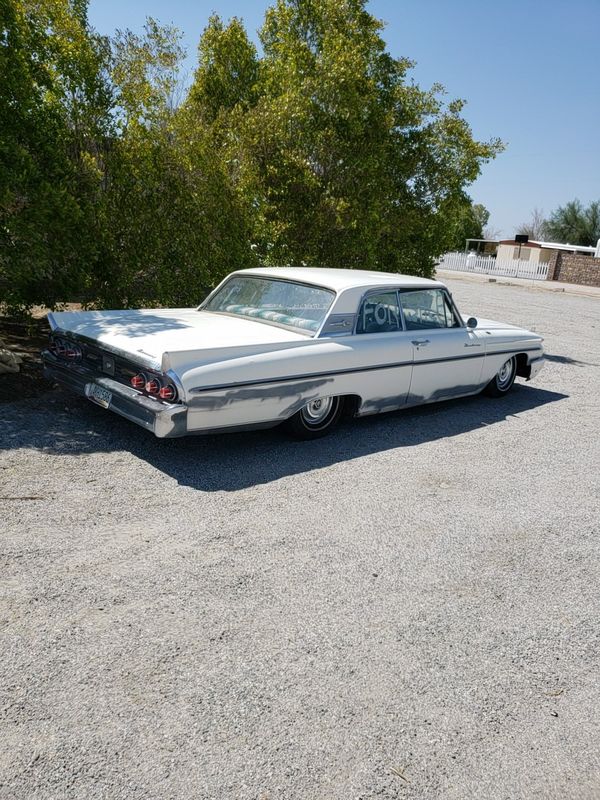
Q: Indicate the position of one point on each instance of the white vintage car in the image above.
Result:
(287, 345)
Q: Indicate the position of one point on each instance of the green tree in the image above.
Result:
(146, 75)
(173, 228)
(342, 160)
(115, 188)
(468, 222)
(227, 73)
(109, 192)
(573, 223)
(172, 223)
(53, 102)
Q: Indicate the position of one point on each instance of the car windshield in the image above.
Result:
(270, 300)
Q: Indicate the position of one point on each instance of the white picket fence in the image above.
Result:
(517, 268)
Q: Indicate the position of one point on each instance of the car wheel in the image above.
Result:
(503, 380)
(316, 418)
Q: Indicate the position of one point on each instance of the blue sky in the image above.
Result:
(528, 70)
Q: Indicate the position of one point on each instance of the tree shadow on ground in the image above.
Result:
(65, 426)
(568, 360)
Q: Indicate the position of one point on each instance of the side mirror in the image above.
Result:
(471, 322)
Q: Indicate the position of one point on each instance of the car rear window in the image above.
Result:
(295, 305)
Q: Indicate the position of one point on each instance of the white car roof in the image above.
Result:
(341, 279)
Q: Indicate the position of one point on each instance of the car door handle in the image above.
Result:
(417, 342)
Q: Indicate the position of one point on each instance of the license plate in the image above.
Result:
(99, 395)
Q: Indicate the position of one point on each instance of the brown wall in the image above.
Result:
(571, 268)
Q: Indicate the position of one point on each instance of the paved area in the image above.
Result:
(408, 609)
(448, 275)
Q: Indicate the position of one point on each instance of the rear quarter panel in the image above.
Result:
(245, 389)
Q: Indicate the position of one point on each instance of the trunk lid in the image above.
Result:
(151, 337)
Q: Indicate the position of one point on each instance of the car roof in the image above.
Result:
(340, 279)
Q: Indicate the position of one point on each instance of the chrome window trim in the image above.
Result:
(455, 308)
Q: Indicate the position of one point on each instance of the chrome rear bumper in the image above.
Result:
(165, 420)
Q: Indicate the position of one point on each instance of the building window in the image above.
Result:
(525, 253)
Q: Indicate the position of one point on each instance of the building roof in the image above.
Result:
(570, 247)
(514, 243)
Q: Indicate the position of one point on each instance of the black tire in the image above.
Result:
(503, 380)
(314, 420)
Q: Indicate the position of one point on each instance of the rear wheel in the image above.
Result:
(316, 418)
(503, 380)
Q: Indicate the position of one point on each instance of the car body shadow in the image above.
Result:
(61, 424)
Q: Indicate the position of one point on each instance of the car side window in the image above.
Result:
(427, 308)
(379, 313)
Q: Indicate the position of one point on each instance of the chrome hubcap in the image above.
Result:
(505, 373)
(317, 410)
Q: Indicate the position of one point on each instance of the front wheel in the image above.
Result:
(316, 418)
(503, 380)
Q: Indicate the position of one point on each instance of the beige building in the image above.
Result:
(537, 252)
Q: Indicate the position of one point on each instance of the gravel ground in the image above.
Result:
(407, 609)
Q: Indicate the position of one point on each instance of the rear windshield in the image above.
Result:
(294, 305)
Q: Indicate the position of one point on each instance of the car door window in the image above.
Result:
(379, 313)
(426, 309)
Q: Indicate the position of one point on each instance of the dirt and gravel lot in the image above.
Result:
(408, 609)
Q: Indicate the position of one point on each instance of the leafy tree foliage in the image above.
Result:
(119, 186)
(228, 68)
(575, 224)
(105, 195)
(343, 161)
(175, 227)
(468, 222)
(53, 101)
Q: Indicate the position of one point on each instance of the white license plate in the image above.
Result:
(99, 395)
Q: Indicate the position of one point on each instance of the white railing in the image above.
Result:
(517, 268)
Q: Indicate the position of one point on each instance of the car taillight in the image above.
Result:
(138, 381)
(168, 392)
(66, 349)
(153, 386)
(73, 352)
